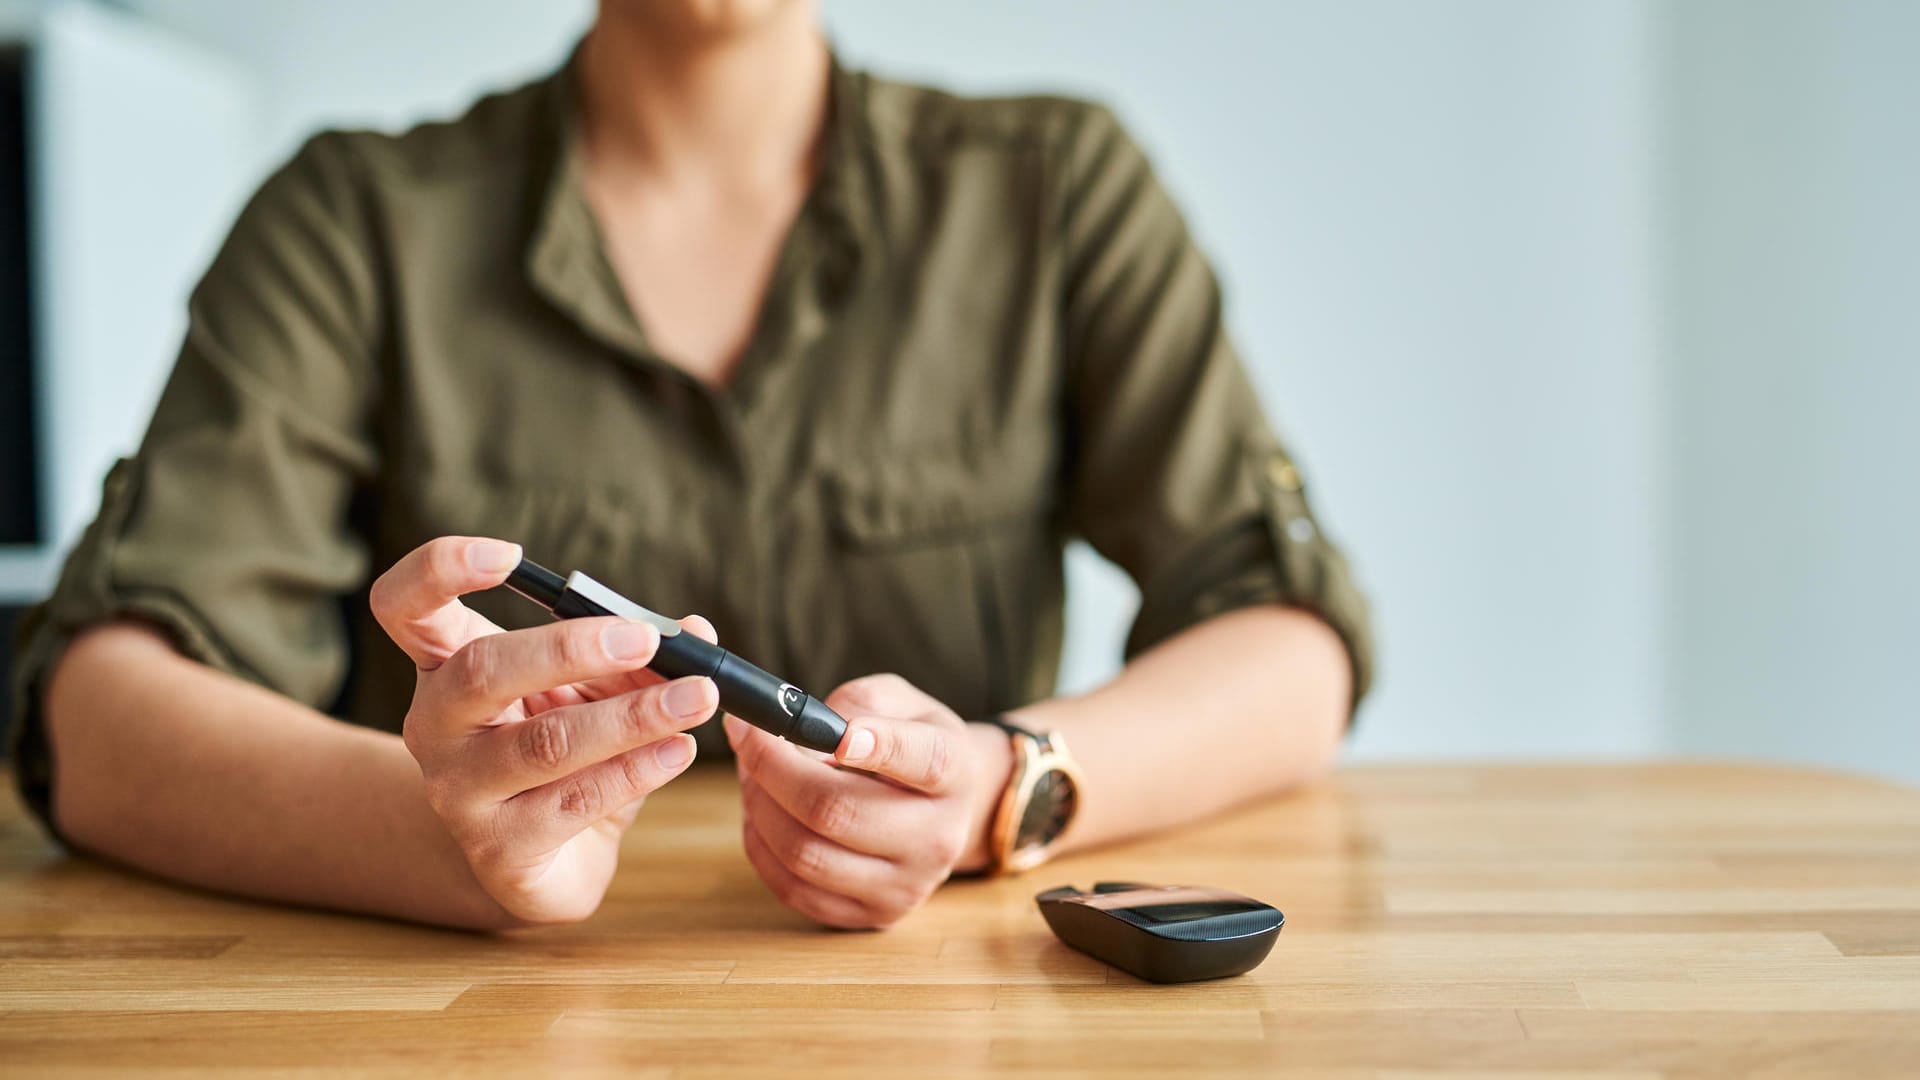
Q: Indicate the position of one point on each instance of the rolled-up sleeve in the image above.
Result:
(228, 528)
(1173, 472)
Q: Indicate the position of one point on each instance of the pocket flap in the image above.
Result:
(928, 498)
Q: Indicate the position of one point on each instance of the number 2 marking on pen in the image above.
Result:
(790, 698)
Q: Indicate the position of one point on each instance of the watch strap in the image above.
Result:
(1000, 721)
(1011, 805)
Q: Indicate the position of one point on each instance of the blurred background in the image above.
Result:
(1595, 323)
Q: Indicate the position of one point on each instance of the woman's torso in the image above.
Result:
(876, 488)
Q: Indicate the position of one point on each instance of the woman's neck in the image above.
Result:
(742, 108)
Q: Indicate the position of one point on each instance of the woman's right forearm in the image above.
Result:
(166, 764)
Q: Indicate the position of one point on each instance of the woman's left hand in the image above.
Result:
(861, 846)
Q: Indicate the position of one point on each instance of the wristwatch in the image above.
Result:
(1040, 801)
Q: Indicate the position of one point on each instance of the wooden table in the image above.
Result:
(1572, 922)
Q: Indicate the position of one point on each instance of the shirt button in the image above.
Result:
(1282, 473)
(1299, 530)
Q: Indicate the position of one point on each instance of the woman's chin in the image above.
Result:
(709, 18)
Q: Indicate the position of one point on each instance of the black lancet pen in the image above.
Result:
(763, 700)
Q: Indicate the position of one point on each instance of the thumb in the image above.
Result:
(916, 754)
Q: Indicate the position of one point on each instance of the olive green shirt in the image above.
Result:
(988, 333)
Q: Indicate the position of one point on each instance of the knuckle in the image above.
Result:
(444, 558)
(642, 712)
(483, 846)
(543, 741)
(810, 859)
(920, 756)
(477, 670)
(576, 648)
(830, 812)
(634, 778)
(888, 753)
(580, 797)
(938, 761)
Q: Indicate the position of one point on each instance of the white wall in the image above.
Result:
(1496, 267)
(130, 197)
(136, 165)
(1795, 211)
(374, 62)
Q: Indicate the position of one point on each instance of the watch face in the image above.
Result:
(1048, 811)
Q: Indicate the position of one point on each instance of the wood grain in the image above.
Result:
(1589, 922)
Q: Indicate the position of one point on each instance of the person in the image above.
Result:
(839, 363)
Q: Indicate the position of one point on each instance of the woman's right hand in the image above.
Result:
(537, 746)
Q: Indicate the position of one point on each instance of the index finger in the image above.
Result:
(493, 671)
(613, 685)
(417, 601)
(912, 753)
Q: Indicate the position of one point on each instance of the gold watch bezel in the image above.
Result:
(1035, 756)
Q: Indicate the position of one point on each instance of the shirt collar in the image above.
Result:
(566, 260)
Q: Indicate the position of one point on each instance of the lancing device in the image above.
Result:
(761, 699)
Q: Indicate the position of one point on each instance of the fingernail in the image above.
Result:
(688, 696)
(859, 745)
(671, 753)
(630, 641)
(493, 556)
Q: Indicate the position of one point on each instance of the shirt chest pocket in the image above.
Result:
(616, 534)
(926, 568)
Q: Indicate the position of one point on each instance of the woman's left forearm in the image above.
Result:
(1245, 705)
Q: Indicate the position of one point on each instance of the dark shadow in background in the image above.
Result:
(19, 491)
(9, 618)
